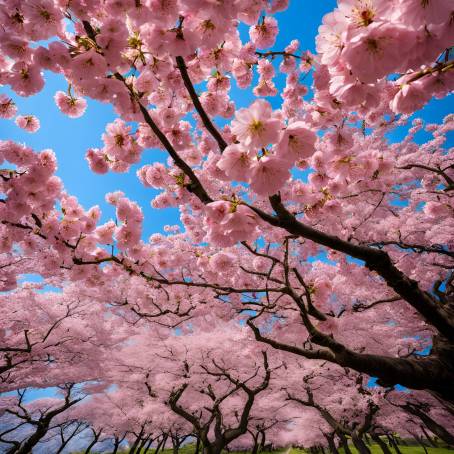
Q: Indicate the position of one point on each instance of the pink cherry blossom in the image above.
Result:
(230, 222)
(264, 34)
(222, 262)
(25, 79)
(236, 162)
(97, 160)
(268, 175)
(314, 242)
(297, 142)
(69, 105)
(28, 122)
(255, 126)
(7, 107)
(88, 65)
(409, 98)
(374, 51)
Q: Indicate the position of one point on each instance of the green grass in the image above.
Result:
(375, 449)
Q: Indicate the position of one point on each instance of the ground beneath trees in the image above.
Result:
(374, 449)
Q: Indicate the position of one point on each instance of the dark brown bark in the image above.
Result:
(194, 186)
(177, 440)
(117, 442)
(198, 106)
(331, 443)
(341, 429)
(428, 437)
(197, 445)
(381, 443)
(65, 441)
(262, 440)
(43, 424)
(162, 443)
(435, 372)
(132, 450)
(255, 447)
(375, 260)
(143, 443)
(420, 443)
(394, 444)
(430, 423)
(96, 436)
(360, 445)
(148, 445)
(222, 436)
(344, 442)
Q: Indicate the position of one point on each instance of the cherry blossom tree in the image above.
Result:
(352, 170)
(37, 416)
(300, 218)
(421, 406)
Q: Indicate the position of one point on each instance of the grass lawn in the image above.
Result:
(405, 450)
(374, 448)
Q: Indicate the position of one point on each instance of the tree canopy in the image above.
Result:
(311, 274)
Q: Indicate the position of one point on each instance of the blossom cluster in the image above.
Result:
(362, 42)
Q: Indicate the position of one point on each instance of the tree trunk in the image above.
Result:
(116, 445)
(262, 441)
(381, 443)
(207, 447)
(175, 445)
(421, 443)
(142, 444)
(360, 445)
(161, 444)
(255, 448)
(14, 448)
(148, 446)
(331, 444)
(217, 447)
(431, 424)
(197, 445)
(64, 442)
(27, 447)
(429, 438)
(62, 446)
(135, 444)
(393, 443)
(344, 442)
(94, 441)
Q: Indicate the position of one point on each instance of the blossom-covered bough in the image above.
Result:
(332, 242)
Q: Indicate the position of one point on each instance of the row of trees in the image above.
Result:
(313, 253)
(219, 389)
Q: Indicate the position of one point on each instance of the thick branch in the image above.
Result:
(375, 260)
(198, 106)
